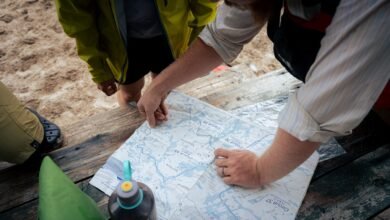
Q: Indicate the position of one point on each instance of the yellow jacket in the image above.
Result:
(97, 26)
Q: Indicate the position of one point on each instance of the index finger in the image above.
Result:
(164, 108)
(151, 119)
(160, 116)
(220, 152)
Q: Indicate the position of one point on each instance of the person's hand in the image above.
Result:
(238, 167)
(161, 114)
(108, 87)
(151, 105)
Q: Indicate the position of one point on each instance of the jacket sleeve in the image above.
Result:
(230, 31)
(204, 12)
(77, 18)
(347, 77)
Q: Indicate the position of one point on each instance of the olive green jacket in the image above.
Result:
(99, 27)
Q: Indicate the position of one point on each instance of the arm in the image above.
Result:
(284, 155)
(220, 41)
(342, 85)
(196, 62)
(77, 18)
(347, 77)
(203, 12)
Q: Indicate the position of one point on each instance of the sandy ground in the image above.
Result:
(39, 63)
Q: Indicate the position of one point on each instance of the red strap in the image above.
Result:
(319, 22)
(383, 101)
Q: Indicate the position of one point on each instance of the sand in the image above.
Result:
(39, 63)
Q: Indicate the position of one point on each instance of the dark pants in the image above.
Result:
(147, 55)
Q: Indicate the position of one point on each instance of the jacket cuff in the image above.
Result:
(295, 120)
(230, 31)
(195, 31)
(99, 77)
(228, 54)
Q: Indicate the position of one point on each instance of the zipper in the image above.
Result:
(118, 28)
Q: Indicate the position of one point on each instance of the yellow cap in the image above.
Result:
(126, 186)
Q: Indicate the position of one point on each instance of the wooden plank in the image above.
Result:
(28, 210)
(29, 207)
(355, 191)
(90, 141)
(219, 81)
(119, 119)
(267, 87)
(385, 215)
(78, 161)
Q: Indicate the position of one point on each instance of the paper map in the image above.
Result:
(265, 115)
(176, 161)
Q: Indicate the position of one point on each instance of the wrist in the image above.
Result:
(160, 85)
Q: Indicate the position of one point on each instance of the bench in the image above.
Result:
(355, 185)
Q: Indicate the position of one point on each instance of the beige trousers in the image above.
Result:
(18, 128)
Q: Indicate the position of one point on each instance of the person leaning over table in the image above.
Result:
(340, 49)
(124, 40)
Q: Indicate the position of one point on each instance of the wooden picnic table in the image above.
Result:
(355, 185)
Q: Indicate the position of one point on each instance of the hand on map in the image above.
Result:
(238, 167)
(151, 105)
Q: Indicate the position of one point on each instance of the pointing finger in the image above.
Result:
(220, 152)
(159, 116)
(221, 162)
(151, 119)
(164, 109)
